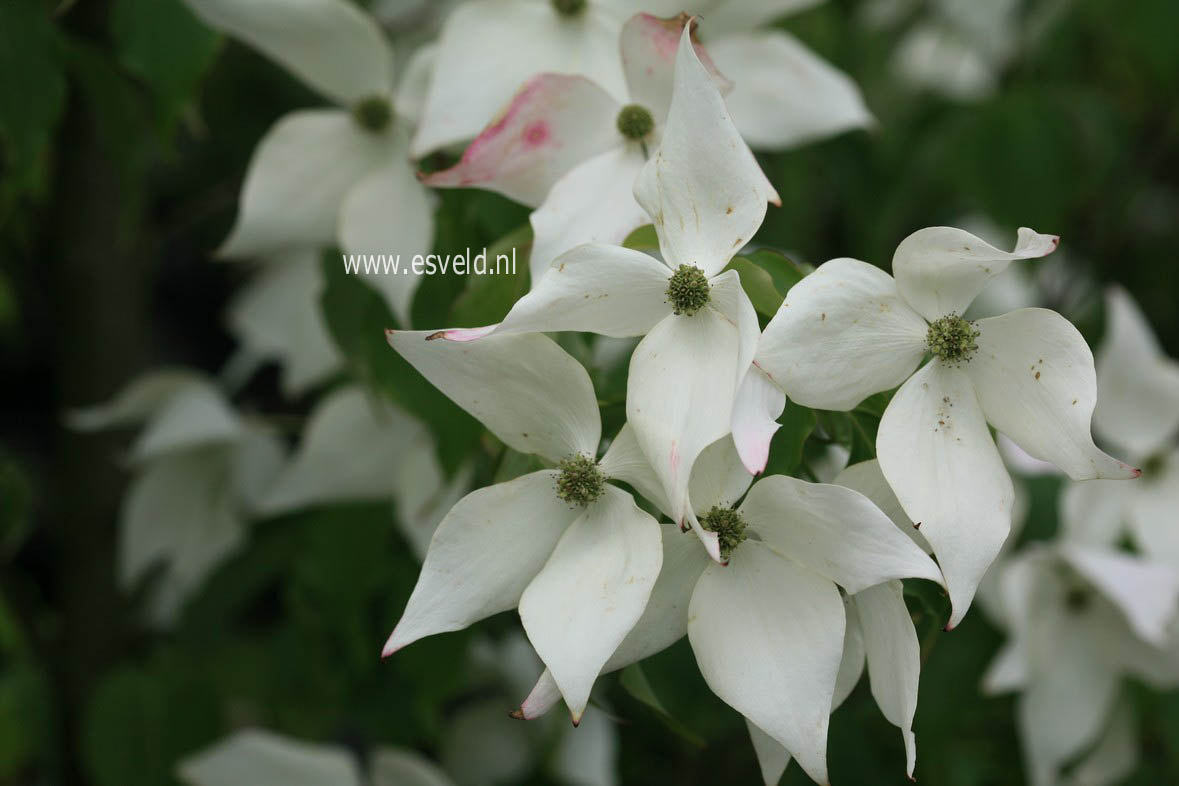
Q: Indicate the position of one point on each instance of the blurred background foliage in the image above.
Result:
(125, 130)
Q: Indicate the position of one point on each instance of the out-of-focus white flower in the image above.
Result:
(358, 447)
(538, 541)
(276, 317)
(342, 175)
(707, 197)
(201, 471)
(255, 757)
(850, 330)
(1080, 619)
(783, 93)
(1138, 412)
(768, 627)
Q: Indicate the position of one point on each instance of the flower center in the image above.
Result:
(952, 339)
(728, 526)
(634, 121)
(569, 7)
(581, 481)
(373, 113)
(688, 290)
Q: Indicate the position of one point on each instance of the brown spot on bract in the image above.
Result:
(823, 317)
(729, 210)
(1037, 375)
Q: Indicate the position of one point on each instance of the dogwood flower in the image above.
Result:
(707, 197)
(784, 94)
(1080, 619)
(567, 147)
(352, 449)
(768, 627)
(263, 758)
(339, 175)
(201, 472)
(1137, 412)
(572, 551)
(850, 330)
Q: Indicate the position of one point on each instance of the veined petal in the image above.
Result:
(664, 620)
(624, 460)
(851, 663)
(1115, 757)
(768, 637)
(609, 290)
(197, 415)
(262, 757)
(718, 478)
(527, 390)
(591, 592)
(1034, 377)
(866, 478)
(593, 202)
(553, 123)
(680, 392)
(894, 658)
(702, 188)
(940, 270)
(1097, 512)
(648, 46)
(400, 767)
(276, 316)
(783, 94)
(772, 758)
(413, 82)
(389, 212)
(488, 48)
(297, 180)
(1146, 592)
(759, 404)
(842, 334)
(834, 531)
(1152, 512)
(938, 456)
(483, 555)
(332, 45)
(1137, 385)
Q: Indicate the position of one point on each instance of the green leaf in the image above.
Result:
(32, 86)
(643, 239)
(758, 285)
(786, 447)
(488, 298)
(635, 682)
(161, 43)
(783, 271)
(357, 319)
(864, 421)
(15, 496)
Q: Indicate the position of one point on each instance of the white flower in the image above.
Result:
(850, 330)
(327, 176)
(707, 197)
(256, 757)
(1138, 412)
(201, 471)
(354, 448)
(783, 93)
(565, 138)
(768, 628)
(276, 317)
(1079, 620)
(570, 549)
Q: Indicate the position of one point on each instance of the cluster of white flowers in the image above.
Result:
(604, 121)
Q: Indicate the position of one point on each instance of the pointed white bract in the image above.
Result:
(331, 176)
(575, 554)
(849, 331)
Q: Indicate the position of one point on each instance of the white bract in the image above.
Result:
(569, 148)
(201, 471)
(572, 551)
(332, 176)
(707, 197)
(783, 93)
(1137, 412)
(1080, 619)
(850, 330)
(262, 758)
(768, 627)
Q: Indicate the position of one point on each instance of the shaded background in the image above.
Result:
(125, 130)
